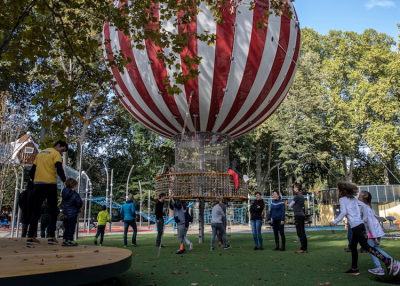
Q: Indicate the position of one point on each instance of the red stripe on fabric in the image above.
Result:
(278, 95)
(223, 53)
(192, 85)
(136, 78)
(158, 67)
(135, 115)
(121, 83)
(257, 43)
(144, 123)
(272, 77)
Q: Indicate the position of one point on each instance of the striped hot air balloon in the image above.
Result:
(243, 77)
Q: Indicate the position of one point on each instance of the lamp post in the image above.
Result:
(278, 162)
(106, 201)
(111, 195)
(127, 181)
(90, 203)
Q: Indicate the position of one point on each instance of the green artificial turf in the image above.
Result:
(241, 265)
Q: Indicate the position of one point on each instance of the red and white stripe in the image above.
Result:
(243, 77)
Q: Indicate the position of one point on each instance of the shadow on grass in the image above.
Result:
(241, 265)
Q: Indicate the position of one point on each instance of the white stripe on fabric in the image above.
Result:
(150, 83)
(180, 99)
(264, 71)
(205, 22)
(286, 66)
(132, 89)
(241, 45)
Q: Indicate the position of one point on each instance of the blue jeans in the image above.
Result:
(220, 227)
(376, 261)
(160, 229)
(256, 229)
(131, 223)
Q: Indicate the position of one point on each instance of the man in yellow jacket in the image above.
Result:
(102, 218)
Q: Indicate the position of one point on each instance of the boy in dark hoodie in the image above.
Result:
(71, 202)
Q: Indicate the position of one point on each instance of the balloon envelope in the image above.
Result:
(243, 77)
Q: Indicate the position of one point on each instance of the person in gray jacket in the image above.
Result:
(217, 217)
(179, 217)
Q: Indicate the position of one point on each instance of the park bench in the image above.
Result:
(391, 219)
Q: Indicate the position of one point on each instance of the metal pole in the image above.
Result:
(15, 201)
(19, 210)
(313, 205)
(79, 187)
(111, 194)
(279, 180)
(106, 200)
(90, 202)
(127, 181)
(140, 207)
(86, 196)
(148, 212)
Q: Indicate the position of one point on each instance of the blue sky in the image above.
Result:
(350, 15)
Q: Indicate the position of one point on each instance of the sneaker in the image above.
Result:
(212, 249)
(32, 240)
(134, 244)
(100, 244)
(72, 243)
(95, 241)
(52, 240)
(227, 247)
(352, 271)
(347, 249)
(64, 243)
(190, 246)
(301, 251)
(377, 271)
(255, 248)
(124, 245)
(396, 267)
(181, 251)
(389, 266)
(261, 248)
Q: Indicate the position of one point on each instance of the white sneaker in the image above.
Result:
(396, 268)
(377, 271)
(190, 246)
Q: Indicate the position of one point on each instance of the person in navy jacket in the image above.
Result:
(277, 214)
(72, 203)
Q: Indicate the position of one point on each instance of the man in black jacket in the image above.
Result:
(160, 218)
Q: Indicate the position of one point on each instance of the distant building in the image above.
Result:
(24, 150)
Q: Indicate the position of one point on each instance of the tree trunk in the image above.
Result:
(386, 173)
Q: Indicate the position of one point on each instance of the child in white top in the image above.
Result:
(349, 208)
(374, 230)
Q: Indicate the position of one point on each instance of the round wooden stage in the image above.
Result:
(44, 264)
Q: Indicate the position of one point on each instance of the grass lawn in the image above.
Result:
(241, 265)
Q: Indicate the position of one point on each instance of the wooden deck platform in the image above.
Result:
(45, 264)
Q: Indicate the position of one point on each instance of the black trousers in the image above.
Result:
(42, 192)
(278, 227)
(69, 227)
(301, 232)
(359, 237)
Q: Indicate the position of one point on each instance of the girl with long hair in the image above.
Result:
(349, 208)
